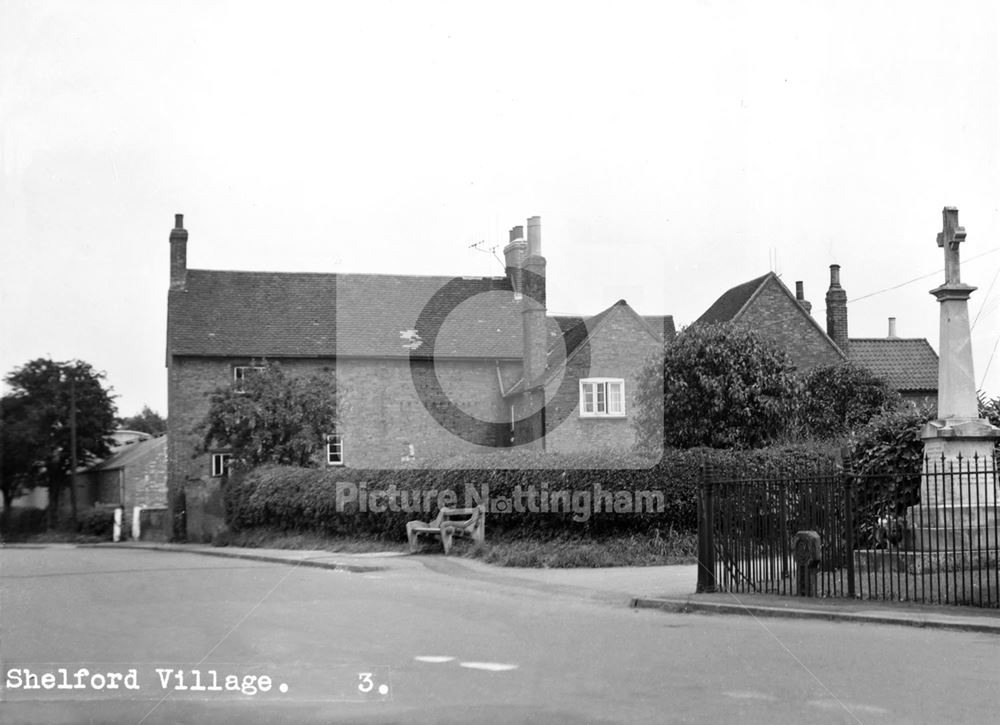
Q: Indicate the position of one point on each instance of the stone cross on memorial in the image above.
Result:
(950, 237)
(956, 380)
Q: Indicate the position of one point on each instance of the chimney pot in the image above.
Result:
(178, 221)
(892, 327)
(535, 236)
(834, 275)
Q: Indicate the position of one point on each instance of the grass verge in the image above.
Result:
(505, 550)
(273, 539)
(578, 552)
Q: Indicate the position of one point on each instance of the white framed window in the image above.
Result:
(602, 398)
(241, 373)
(220, 464)
(334, 450)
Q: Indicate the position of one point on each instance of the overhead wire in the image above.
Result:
(917, 279)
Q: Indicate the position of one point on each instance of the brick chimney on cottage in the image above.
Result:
(178, 254)
(801, 297)
(533, 323)
(836, 310)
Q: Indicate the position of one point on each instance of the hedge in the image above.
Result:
(18, 522)
(306, 499)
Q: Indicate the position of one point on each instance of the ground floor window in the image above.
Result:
(220, 464)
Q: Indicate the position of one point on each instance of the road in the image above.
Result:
(443, 647)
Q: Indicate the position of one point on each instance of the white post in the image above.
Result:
(117, 535)
(135, 523)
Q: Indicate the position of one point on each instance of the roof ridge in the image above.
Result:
(888, 339)
(346, 274)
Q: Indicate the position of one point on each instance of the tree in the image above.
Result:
(272, 418)
(57, 416)
(148, 421)
(724, 386)
(840, 398)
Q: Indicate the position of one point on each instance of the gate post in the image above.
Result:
(706, 536)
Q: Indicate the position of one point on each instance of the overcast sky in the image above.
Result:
(673, 150)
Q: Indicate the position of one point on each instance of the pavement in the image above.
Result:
(667, 588)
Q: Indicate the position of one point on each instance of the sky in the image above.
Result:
(673, 150)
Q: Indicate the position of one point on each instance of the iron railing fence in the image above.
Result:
(931, 536)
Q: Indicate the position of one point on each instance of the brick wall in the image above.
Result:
(146, 479)
(776, 316)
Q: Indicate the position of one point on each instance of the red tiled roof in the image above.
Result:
(906, 364)
(283, 314)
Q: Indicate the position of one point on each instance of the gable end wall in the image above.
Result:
(778, 317)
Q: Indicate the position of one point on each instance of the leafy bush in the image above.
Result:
(838, 399)
(724, 386)
(96, 522)
(989, 409)
(886, 462)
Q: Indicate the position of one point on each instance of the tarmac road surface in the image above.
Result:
(435, 641)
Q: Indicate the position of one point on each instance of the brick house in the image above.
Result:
(909, 365)
(426, 367)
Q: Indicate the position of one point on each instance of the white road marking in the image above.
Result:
(750, 695)
(850, 706)
(489, 666)
(434, 659)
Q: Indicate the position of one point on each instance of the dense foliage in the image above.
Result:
(723, 386)
(272, 418)
(837, 399)
(989, 409)
(35, 425)
(886, 462)
(146, 421)
(96, 522)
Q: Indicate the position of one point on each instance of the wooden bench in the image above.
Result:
(449, 523)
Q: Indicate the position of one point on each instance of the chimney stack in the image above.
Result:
(533, 323)
(892, 328)
(836, 310)
(178, 254)
(513, 255)
(801, 297)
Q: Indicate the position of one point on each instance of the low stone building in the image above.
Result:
(135, 474)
